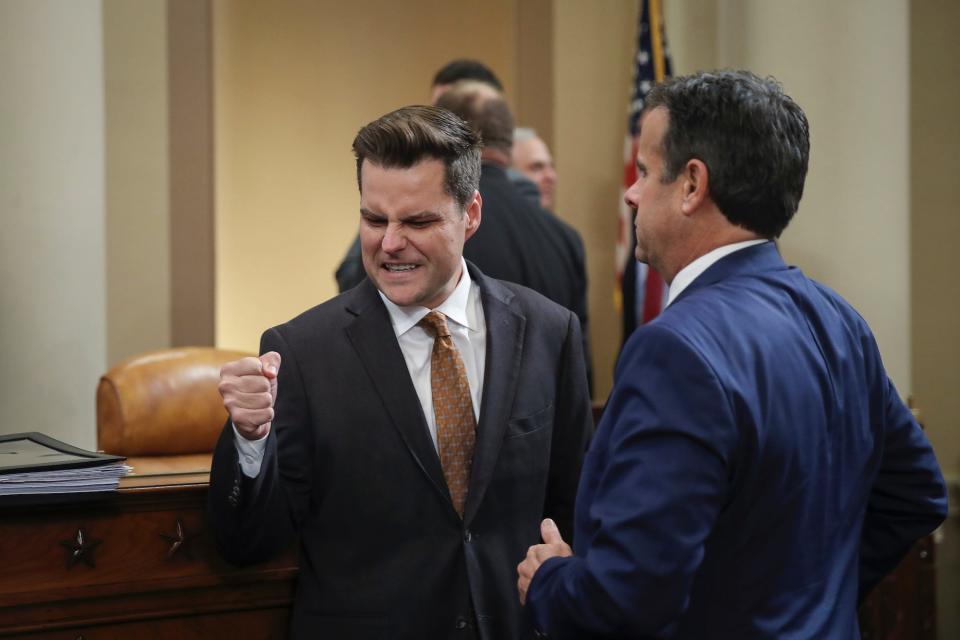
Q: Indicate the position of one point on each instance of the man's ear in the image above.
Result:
(473, 214)
(695, 186)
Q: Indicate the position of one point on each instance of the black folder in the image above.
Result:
(31, 452)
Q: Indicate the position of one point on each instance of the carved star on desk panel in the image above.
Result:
(179, 540)
(80, 548)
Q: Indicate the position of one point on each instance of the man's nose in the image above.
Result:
(393, 239)
(630, 197)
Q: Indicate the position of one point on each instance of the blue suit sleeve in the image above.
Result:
(908, 498)
(667, 444)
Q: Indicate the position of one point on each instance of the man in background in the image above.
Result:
(532, 158)
(462, 69)
(755, 473)
(519, 242)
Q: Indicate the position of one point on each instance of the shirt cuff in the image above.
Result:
(250, 452)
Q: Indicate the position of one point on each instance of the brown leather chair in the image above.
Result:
(162, 409)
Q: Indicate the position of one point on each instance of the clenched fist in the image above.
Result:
(249, 390)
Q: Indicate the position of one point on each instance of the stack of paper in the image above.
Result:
(32, 463)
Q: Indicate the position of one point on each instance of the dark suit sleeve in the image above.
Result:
(908, 499)
(256, 518)
(571, 432)
(666, 444)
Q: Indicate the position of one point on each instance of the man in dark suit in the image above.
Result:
(519, 241)
(414, 430)
(755, 473)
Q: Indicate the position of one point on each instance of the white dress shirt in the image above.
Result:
(465, 319)
(692, 271)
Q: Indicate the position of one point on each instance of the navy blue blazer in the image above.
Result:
(754, 475)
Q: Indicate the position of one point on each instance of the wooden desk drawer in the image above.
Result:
(105, 550)
(145, 557)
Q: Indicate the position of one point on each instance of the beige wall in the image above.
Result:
(935, 194)
(190, 160)
(159, 175)
(52, 253)
(294, 82)
(692, 28)
(533, 97)
(137, 180)
(593, 50)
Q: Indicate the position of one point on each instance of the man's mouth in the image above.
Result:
(399, 267)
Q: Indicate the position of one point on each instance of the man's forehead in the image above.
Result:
(653, 117)
(652, 126)
(531, 149)
(389, 190)
(534, 143)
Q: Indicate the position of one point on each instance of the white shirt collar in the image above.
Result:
(454, 307)
(692, 271)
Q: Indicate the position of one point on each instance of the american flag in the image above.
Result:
(641, 291)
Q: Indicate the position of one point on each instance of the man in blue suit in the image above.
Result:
(755, 473)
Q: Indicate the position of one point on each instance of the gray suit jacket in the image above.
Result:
(350, 466)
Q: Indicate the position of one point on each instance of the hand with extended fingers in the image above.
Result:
(249, 390)
(553, 545)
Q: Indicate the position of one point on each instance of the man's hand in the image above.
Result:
(553, 545)
(249, 390)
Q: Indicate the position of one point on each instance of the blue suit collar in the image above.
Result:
(760, 257)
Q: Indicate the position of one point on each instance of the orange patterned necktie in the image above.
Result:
(453, 409)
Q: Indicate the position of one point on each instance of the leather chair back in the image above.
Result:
(163, 402)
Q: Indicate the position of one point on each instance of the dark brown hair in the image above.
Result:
(465, 69)
(404, 137)
(753, 138)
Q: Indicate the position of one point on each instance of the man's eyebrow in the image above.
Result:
(422, 215)
(419, 215)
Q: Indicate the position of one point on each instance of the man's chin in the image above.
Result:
(402, 296)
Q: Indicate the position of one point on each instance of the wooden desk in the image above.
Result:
(147, 567)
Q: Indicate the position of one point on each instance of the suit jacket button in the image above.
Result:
(467, 536)
(461, 624)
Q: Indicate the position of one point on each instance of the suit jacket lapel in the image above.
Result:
(505, 332)
(376, 345)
